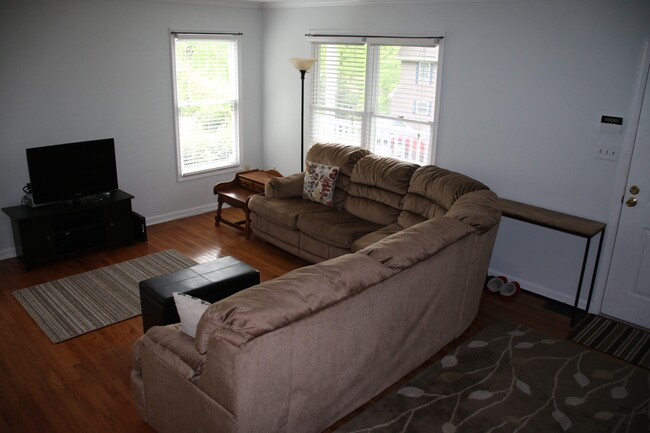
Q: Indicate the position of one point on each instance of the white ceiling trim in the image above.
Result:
(320, 3)
(255, 4)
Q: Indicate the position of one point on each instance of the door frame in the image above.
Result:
(622, 174)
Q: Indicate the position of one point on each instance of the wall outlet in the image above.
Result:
(609, 153)
(247, 167)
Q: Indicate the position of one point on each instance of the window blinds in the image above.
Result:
(377, 93)
(206, 94)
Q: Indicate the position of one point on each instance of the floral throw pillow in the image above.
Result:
(319, 183)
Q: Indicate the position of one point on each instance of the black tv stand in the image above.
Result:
(86, 200)
(46, 233)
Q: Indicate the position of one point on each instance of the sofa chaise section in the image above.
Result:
(295, 354)
(299, 352)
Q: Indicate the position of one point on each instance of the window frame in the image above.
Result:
(368, 117)
(181, 171)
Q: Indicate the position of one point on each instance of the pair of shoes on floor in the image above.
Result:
(500, 285)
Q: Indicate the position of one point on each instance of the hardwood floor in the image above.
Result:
(82, 385)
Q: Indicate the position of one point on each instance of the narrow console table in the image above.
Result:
(566, 223)
(238, 191)
(49, 232)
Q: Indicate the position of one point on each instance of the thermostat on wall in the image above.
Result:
(611, 124)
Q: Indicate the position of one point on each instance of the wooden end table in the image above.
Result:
(238, 191)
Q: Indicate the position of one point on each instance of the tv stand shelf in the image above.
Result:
(50, 232)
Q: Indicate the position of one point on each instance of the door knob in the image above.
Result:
(634, 189)
(631, 202)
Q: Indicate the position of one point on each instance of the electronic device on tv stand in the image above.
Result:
(71, 173)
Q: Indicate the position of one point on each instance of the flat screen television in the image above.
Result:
(71, 171)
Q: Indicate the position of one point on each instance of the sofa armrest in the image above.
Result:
(478, 209)
(284, 187)
(173, 347)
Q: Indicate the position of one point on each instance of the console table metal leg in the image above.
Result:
(593, 277)
(582, 276)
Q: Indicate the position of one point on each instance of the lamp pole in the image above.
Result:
(303, 65)
(302, 120)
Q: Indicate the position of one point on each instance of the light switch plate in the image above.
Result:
(609, 153)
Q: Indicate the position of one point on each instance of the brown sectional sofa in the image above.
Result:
(299, 352)
(375, 197)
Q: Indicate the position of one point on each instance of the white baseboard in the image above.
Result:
(157, 219)
(7, 253)
(547, 292)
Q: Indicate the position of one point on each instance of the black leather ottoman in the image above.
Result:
(210, 281)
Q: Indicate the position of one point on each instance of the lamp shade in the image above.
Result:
(302, 64)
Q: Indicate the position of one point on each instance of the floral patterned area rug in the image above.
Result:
(509, 378)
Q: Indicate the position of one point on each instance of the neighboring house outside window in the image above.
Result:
(376, 95)
(425, 73)
(206, 98)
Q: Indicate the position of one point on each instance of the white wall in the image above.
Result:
(76, 70)
(524, 85)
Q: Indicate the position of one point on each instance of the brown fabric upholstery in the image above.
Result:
(275, 303)
(315, 250)
(284, 211)
(297, 353)
(479, 209)
(178, 352)
(335, 228)
(376, 188)
(410, 246)
(375, 236)
(341, 156)
(431, 193)
(280, 236)
(284, 187)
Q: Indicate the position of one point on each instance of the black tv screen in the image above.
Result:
(72, 171)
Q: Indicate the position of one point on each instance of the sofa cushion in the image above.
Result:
(288, 298)
(341, 156)
(414, 244)
(431, 193)
(176, 349)
(377, 186)
(375, 236)
(283, 187)
(284, 211)
(337, 228)
(319, 183)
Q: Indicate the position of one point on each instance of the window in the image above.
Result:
(422, 107)
(206, 97)
(377, 93)
(424, 73)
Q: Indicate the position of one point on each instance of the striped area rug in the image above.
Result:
(616, 339)
(81, 303)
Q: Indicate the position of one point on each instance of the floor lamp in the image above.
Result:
(303, 65)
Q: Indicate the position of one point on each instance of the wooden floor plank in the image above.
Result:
(82, 384)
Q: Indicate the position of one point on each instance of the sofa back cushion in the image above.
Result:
(410, 246)
(432, 192)
(341, 156)
(377, 186)
(278, 302)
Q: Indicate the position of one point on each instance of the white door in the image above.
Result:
(627, 293)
